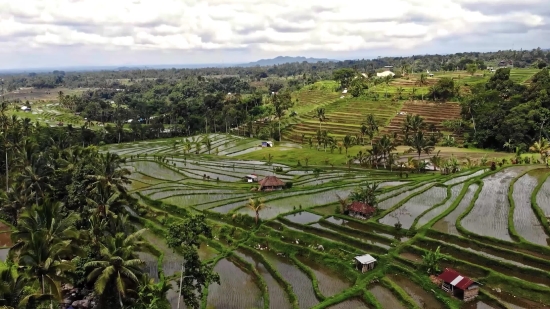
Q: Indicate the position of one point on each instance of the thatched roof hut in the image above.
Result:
(270, 183)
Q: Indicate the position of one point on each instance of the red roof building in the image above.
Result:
(461, 287)
(361, 209)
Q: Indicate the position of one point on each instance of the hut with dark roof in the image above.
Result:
(271, 183)
(459, 286)
(361, 210)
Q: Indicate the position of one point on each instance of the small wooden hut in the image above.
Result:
(365, 262)
(271, 183)
(251, 178)
(459, 286)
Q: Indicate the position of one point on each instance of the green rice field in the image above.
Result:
(489, 225)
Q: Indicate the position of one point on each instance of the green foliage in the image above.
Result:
(432, 261)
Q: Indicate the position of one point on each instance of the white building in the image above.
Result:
(385, 73)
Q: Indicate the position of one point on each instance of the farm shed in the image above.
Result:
(385, 73)
(459, 286)
(251, 178)
(361, 210)
(267, 144)
(271, 183)
(365, 262)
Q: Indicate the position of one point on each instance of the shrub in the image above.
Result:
(288, 185)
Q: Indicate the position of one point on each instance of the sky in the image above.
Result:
(67, 33)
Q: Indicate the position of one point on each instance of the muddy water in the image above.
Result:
(330, 282)
(237, 289)
(300, 282)
(350, 304)
(385, 297)
(514, 302)
(543, 197)
(303, 217)
(151, 264)
(421, 297)
(358, 226)
(525, 221)
(411, 257)
(448, 224)
(392, 201)
(361, 237)
(455, 191)
(489, 217)
(477, 305)
(407, 213)
(5, 239)
(277, 295)
(4, 254)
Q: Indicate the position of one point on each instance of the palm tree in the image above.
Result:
(436, 160)
(509, 145)
(46, 218)
(187, 146)
(117, 267)
(541, 147)
(42, 259)
(420, 144)
(320, 116)
(400, 92)
(372, 126)
(364, 131)
(343, 202)
(108, 173)
(206, 141)
(256, 205)
(13, 288)
(347, 142)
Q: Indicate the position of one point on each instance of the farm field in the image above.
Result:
(300, 255)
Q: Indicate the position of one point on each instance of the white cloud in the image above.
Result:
(258, 26)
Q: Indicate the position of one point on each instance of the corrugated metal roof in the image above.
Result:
(365, 259)
(452, 277)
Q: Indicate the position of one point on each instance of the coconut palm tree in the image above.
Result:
(372, 126)
(48, 219)
(207, 142)
(256, 205)
(320, 116)
(348, 141)
(41, 258)
(35, 178)
(541, 147)
(13, 288)
(108, 173)
(436, 160)
(117, 268)
(419, 143)
(343, 203)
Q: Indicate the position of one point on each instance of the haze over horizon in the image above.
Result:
(69, 33)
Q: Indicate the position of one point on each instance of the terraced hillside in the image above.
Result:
(489, 225)
(342, 117)
(433, 113)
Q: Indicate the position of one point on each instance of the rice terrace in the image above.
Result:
(293, 186)
(487, 224)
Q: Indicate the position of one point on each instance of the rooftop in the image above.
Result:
(271, 181)
(361, 208)
(365, 259)
(452, 277)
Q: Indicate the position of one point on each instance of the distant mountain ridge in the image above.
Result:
(285, 59)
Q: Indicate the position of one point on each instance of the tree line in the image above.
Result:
(68, 208)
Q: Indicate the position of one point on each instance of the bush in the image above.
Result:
(288, 185)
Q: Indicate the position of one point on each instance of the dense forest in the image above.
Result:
(66, 203)
(314, 71)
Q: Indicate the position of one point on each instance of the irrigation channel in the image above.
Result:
(489, 226)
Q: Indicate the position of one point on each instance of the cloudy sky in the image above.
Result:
(64, 33)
